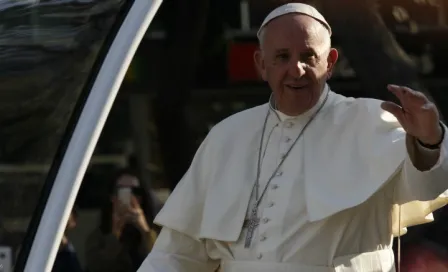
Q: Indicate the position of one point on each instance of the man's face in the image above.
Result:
(296, 60)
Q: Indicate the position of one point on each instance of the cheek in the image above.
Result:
(322, 71)
(317, 74)
(275, 75)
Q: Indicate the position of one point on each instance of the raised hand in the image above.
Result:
(417, 115)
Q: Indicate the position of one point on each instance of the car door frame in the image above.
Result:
(73, 164)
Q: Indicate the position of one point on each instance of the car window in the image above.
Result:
(50, 51)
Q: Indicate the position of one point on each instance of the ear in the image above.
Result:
(259, 63)
(331, 61)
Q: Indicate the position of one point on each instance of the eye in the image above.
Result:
(282, 56)
(309, 58)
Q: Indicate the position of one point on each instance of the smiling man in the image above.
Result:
(311, 181)
(296, 59)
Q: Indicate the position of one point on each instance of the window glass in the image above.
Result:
(50, 51)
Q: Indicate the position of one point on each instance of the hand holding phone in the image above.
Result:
(124, 196)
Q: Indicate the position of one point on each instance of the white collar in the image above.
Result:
(284, 117)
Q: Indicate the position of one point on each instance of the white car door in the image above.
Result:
(62, 63)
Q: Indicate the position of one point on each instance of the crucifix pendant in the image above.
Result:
(251, 224)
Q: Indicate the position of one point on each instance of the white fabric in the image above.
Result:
(294, 8)
(192, 257)
(335, 199)
(358, 146)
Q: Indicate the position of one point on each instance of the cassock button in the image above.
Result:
(278, 174)
(271, 204)
(289, 124)
(265, 220)
(263, 238)
(259, 256)
(274, 187)
(287, 139)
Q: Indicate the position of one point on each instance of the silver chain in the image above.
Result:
(257, 182)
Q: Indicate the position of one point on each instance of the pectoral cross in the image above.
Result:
(251, 224)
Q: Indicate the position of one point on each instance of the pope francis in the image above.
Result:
(311, 181)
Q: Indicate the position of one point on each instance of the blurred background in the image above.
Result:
(193, 68)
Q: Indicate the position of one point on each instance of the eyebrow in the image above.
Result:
(281, 50)
(310, 49)
(306, 51)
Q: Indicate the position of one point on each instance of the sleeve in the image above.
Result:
(424, 175)
(421, 186)
(176, 252)
(183, 211)
(419, 183)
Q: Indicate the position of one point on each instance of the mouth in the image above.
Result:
(295, 87)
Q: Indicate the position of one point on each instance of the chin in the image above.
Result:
(304, 94)
(297, 102)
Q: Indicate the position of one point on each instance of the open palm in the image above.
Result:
(417, 115)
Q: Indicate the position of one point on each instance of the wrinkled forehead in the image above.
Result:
(296, 31)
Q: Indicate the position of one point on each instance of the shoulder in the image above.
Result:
(236, 124)
(370, 109)
(241, 118)
(370, 106)
(362, 111)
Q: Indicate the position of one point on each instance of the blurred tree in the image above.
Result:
(370, 46)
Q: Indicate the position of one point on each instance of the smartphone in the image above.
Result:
(124, 195)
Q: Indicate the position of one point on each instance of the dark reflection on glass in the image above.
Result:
(47, 50)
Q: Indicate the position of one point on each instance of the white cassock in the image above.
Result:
(331, 207)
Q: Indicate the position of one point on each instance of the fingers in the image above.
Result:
(134, 202)
(131, 216)
(408, 97)
(122, 211)
(127, 216)
(395, 110)
(396, 90)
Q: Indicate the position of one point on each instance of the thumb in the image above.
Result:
(394, 109)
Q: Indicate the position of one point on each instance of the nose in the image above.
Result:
(297, 68)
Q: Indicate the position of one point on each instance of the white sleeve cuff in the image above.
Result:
(440, 152)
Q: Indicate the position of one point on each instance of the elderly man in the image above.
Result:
(312, 181)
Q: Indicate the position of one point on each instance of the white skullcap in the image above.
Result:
(294, 8)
